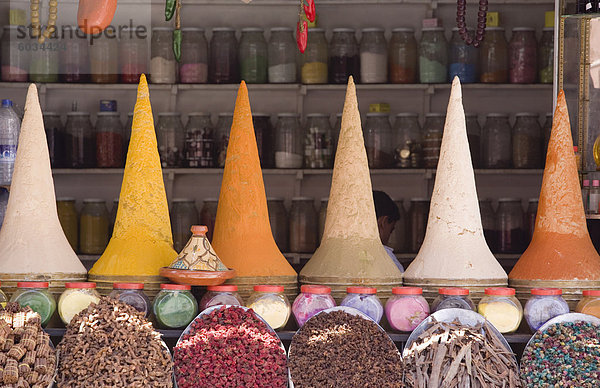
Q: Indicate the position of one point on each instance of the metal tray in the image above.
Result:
(569, 317)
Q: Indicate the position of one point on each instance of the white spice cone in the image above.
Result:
(454, 247)
(32, 240)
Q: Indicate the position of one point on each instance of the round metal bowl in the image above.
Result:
(569, 317)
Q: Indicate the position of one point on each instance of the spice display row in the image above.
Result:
(122, 56)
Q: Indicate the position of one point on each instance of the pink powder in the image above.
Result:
(406, 312)
(13, 74)
(193, 73)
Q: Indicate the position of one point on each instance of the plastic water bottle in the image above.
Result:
(10, 125)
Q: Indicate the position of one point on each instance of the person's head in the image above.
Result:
(387, 215)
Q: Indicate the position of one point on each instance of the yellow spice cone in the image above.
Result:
(141, 242)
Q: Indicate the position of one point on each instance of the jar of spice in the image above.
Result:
(488, 222)
(365, 300)
(175, 306)
(379, 140)
(74, 59)
(496, 142)
(69, 220)
(133, 295)
(418, 215)
(289, 145)
(493, 56)
(93, 227)
(127, 134)
(546, 56)
(373, 56)
(80, 141)
(280, 224)
(409, 142)
(406, 309)
(270, 304)
(109, 140)
(76, 298)
(163, 66)
(403, 56)
(590, 303)
(44, 62)
(511, 231)
(221, 295)
(433, 56)
(55, 136)
(344, 60)
(501, 308)
(253, 56)
(546, 131)
(222, 137)
(263, 131)
(183, 216)
(544, 304)
(223, 67)
(433, 130)
(282, 56)
(208, 215)
(522, 54)
(112, 218)
(133, 54)
(15, 62)
(474, 137)
(463, 59)
(531, 215)
(527, 141)
(303, 225)
(452, 298)
(312, 299)
(104, 58)
(322, 217)
(193, 66)
(318, 143)
(315, 58)
(37, 296)
(199, 142)
(171, 139)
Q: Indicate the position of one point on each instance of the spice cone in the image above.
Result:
(351, 251)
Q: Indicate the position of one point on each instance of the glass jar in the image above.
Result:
(222, 137)
(318, 143)
(109, 140)
(527, 141)
(406, 309)
(175, 306)
(433, 56)
(15, 61)
(163, 66)
(433, 130)
(221, 295)
(547, 131)
(417, 216)
(474, 137)
(44, 62)
(171, 139)
(531, 215)
(289, 145)
(104, 58)
(373, 56)
(270, 304)
(344, 59)
(263, 131)
(315, 58)
(93, 227)
(544, 304)
(365, 300)
(452, 298)
(280, 224)
(69, 220)
(199, 142)
(55, 136)
(590, 303)
(282, 56)
(337, 128)
(546, 56)
(133, 54)
(379, 141)
(501, 308)
(409, 142)
(127, 134)
(76, 298)
(511, 230)
(322, 217)
(399, 237)
(312, 299)
(80, 141)
(253, 56)
(463, 61)
(304, 225)
(223, 67)
(74, 60)
(208, 215)
(193, 65)
(496, 142)
(493, 56)
(3, 299)
(403, 56)
(183, 215)
(133, 295)
(488, 222)
(37, 296)
(522, 54)
(113, 216)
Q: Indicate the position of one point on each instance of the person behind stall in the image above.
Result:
(387, 215)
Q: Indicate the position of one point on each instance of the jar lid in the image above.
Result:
(343, 30)
(325, 199)
(435, 115)
(179, 200)
(419, 200)
(315, 289)
(453, 291)
(93, 200)
(534, 200)
(162, 29)
(198, 114)
(211, 199)
(268, 288)
(526, 114)
(497, 115)
(192, 29)
(226, 114)
(175, 287)
(78, 113)
(280, 29)
(260, 114)
(80, 285)
(32, 285)
(361, 290)
(169, 114)
(339, 114)
(318, 115)
(407, 114)
(128, 286)
(509, 199)
(523, 29)
(275, 199)
(51, 114)
(378, 114)
(403, 29)
(372, 29)
(315, 30)
(302, 199)
(432, 29)
(287, 114)
(494, 29)
(546, 291)
(591, 292)
(104, 113)
(223, 288)
(223, 29)
(252, 29)
(65, 199)
(500, 291)
(407, 291)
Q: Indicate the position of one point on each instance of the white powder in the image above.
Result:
(285, 73)
(288, 160)
(373, 68)
(163, 71)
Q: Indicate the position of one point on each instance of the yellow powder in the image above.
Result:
(504, 316)
(276, 313)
